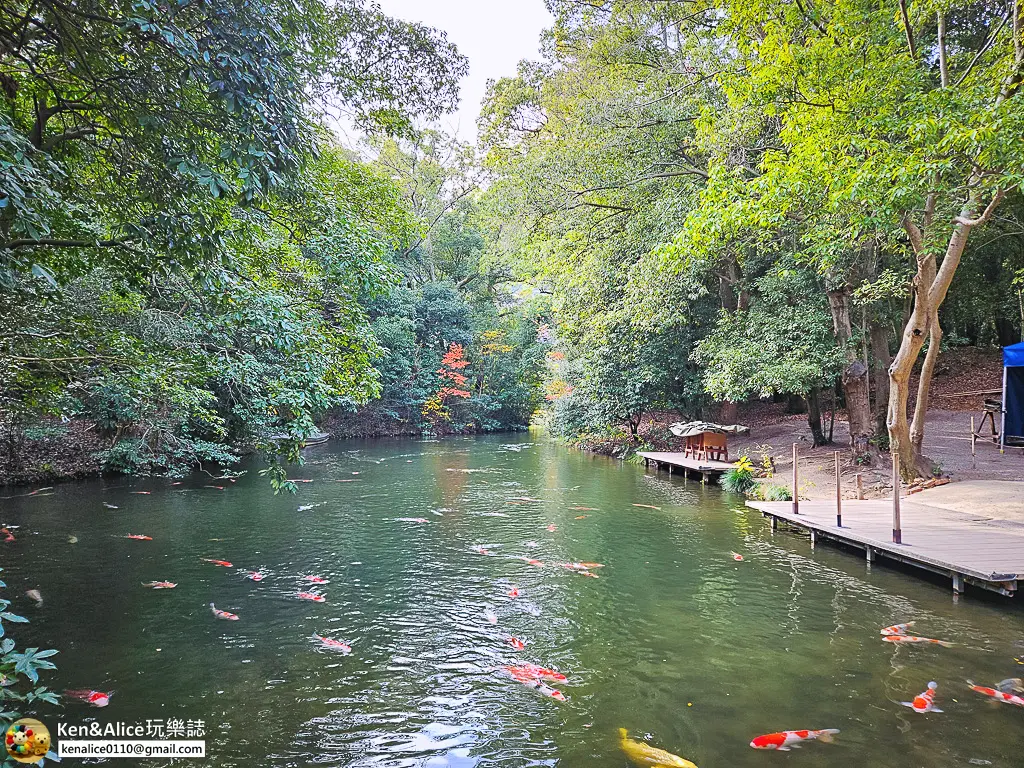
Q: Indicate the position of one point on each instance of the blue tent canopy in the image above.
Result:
(1013, 392)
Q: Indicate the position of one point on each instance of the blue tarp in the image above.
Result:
(1013, 355)
(1013, 401)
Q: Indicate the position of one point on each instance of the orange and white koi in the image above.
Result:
(737, 557)
(316, 597)
(215, 487)
(254, 576)
(159, 584)
(96, 698)
(514, 592)
(784, 741)
(544, 689)
(142, 493)
(896, 629)
(226, 615)
(516, 643)
(331, 644)
(648, 506)
(8, 536)
(139, 537)
(925, 701)
(482, 550)
(581, 517)
(530, 560)
(552, 528)
(535, 672)
(913, 639)
(221, 563)
(1005, 698)
(316, 579)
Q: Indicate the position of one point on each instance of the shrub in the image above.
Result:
(771, 492)
(740, 478)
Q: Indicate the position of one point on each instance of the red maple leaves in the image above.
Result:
(452, 363)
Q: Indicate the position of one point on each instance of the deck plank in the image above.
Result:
(984, 548)
(677, 459)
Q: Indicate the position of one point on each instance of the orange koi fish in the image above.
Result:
(331, 644)
(581, 517)
(913, 639)
(530, 560)
(8, 536)
(648, 506)
(96, 698)
(316, 579)
(254, 576)
(535, 672)
(924, 702)
(784, 741)
(226, 615)
(159, 584)
(514, 592)
(896, 629)
(216, 487)
(139, 537)
(314, 596)
(552, 528)
(222, 563)
(516, 643)
(481, 550)
(737, 557)
(142, 493)
(1005, 698)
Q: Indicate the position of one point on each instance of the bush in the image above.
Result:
(770, 492)
(740, 478)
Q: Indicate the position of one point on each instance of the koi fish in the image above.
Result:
(142, 493)
(481, 550)
(96, 698)
(329, 643)
(217, 487)
(581, 566)
(648, 506)
(254, 576)
(139, 537)
(530, 560)
(913, 639)
(8, 536)
(544, 689)
(924, 702)
(36, 595)
(314, 596)
(411, 520)
(227, 615)
(514, 592)
(642, 754)
(1005, 698)
(346, 481)
(516, 643)
(355, 473)
(316, 579)
(783, 741)
(583, 509)
(535, 672)
(896, 629)
(302, 481)
(737, 557)
(176, 483)
(72, 539)
(159, 584)
(491, 616)
(222, 563)
(552, 528)
(110, 506)
(526, 498)
(581, 517)
(588, 574)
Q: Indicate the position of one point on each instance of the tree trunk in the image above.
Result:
(814, 416)
(856, 387)
(729, 413)
(880, 372)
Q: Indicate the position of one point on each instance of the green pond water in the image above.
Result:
(676, 641)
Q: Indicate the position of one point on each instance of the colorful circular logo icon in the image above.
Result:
(27, 740)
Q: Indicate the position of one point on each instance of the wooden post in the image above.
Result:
(974, 439)
(860, 486)
(897, 530)
(839, 496)
(796, 486)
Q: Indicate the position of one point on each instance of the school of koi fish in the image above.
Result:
(541, 678)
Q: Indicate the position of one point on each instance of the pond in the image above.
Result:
(675, 640)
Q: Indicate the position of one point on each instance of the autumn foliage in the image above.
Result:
(435, 408)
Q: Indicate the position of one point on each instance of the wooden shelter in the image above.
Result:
(706, 441)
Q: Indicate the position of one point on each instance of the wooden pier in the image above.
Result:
(968, 548)
(707, 469)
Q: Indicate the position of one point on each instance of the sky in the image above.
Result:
(493, 35)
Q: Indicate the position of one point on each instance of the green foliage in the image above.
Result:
(740, 478)
(770, 492)
(19, 672)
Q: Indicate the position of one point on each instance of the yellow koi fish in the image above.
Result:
(642, 754)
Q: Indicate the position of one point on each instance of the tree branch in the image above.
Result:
(987, 213)
(907, 29)
(943, 65)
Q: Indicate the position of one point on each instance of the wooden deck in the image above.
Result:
(969, 548)
(707, 469)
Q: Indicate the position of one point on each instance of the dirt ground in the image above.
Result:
(947, 443)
